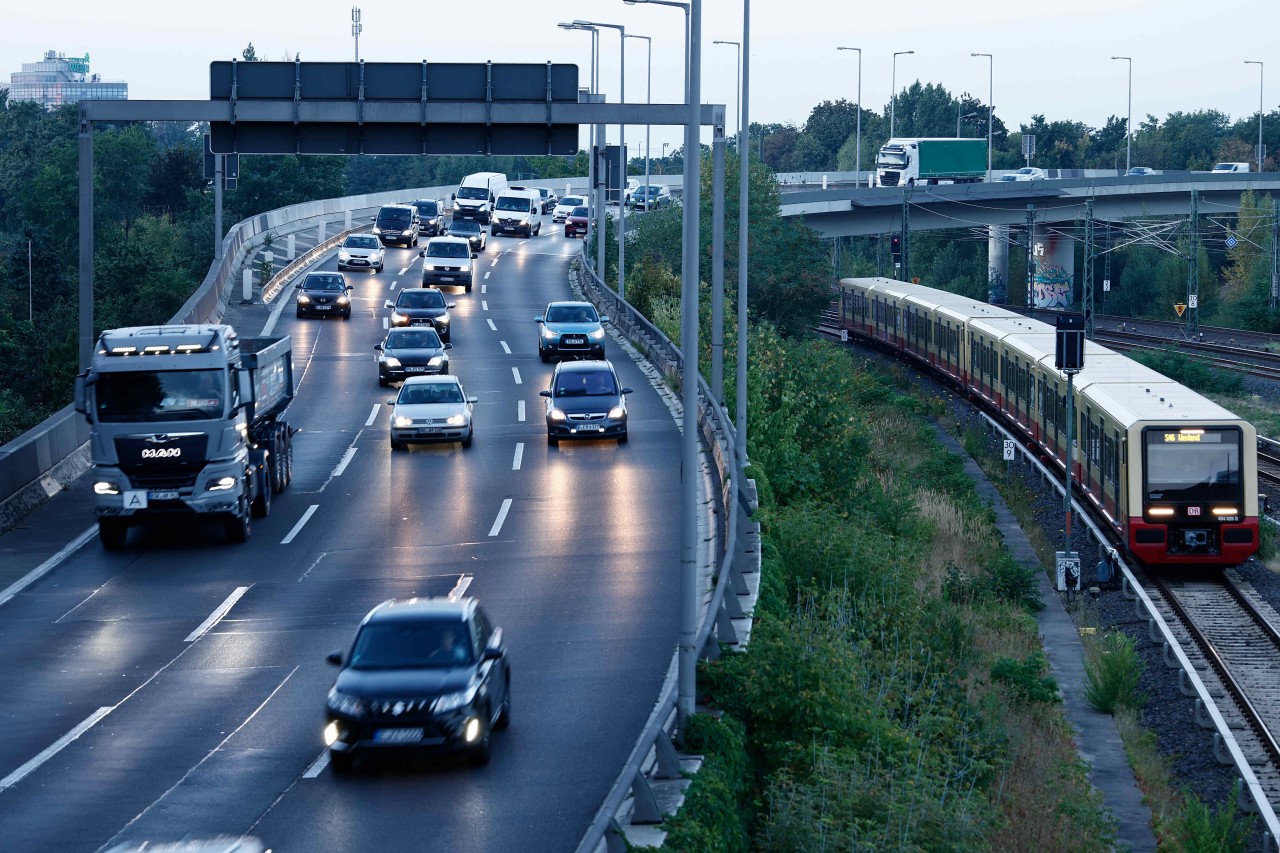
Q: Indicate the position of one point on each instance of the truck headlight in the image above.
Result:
(222, 484)
(429, 267)
(102, 487)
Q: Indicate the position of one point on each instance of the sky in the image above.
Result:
(1051, 59)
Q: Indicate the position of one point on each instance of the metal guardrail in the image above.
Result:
(654, 756)
(1189, 679)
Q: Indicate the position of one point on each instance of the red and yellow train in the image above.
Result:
(1173, 473)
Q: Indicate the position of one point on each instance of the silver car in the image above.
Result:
(431, 408)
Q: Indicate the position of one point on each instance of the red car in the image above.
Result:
(575, 224)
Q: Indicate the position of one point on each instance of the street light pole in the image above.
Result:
(990, 104)
(1128, 123)
(1259, 64)
(738, 46)
(622, 152)
(30, 313)
(893, 101)
(648, 99)
(685, 7)
(593, 225)
(857, 155)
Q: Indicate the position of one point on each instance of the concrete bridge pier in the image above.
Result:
(1053, 277)
(998, 264)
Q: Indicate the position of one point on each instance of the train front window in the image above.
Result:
(1192, 464)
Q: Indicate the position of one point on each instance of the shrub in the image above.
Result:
(716, 806)
(1112, 669)
(1025, 679)
(1226, 829)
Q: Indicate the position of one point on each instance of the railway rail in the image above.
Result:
(1226, 641)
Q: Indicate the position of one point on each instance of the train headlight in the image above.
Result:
(1225, 510)
(1160, 510)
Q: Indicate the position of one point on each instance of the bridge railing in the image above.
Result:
(724, 620)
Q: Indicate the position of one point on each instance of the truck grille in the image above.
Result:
(171, 460)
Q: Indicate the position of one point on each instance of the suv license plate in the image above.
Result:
(170, 495)
(397, 735)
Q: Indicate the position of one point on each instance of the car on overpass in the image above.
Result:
(1140, 172)
(1026, 173)
(424, 675)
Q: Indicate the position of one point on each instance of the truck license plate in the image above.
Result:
(168, 495)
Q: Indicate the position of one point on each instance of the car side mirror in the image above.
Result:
(334, 658)
(373, 219)
(450, 305)
(298, 286)
(447, 346)
(453, 196)
(604, 318)
(473, 399)
(626, 390)
(378, 347)
(539, 319)
(391, 402)
(494, 653)
(350, 287)
(388, 304)
(82, 406)
(544, 393)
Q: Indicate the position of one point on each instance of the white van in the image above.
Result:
(517, 212)
(476, 195)
(1230, 167)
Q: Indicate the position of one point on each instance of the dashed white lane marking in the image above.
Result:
(53, 749)
(491, 326)
(346, 460)
(373, 415)
(394, 283)
(297, 528)
(317, 767)
(519, 457)
(49, 564)
(216, 616)
(505, 348)
(495, 263)
(386, 322)
(488, 273)
(520, 410)
(515, 372)
(484, 288)
(484, 304)
(403, 271)
(502, 516)
(460, 588)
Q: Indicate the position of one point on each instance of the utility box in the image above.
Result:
(1069, 351)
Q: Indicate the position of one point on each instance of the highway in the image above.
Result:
(132, 711)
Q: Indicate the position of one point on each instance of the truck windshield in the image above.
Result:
(891, 158)
(473, 192)
(1193, 464)
(168, 395)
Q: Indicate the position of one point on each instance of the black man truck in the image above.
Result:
(185, 423)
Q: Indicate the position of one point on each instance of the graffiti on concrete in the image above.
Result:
(997, 287)
(1052, 286)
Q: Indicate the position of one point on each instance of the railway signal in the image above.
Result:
(1069, 358)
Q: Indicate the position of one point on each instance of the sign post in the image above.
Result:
(1069, 358)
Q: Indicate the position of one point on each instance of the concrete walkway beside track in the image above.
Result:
(1096, 738)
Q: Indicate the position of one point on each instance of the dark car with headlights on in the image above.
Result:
(324, 294)
(575, 225)
(586, 400)
(423, 674)
(430, 216)
(447, 260)
(397, 223)
(570, 330)
(411, 352)
(421, 307)
(469, 230)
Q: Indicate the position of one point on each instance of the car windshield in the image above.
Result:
(1026, 170)
(571, 314)
(413, 339)
(580, 211)
(508, 202)
(473, 192)
(357, 242)
(426, 208)
(571, 201)
(412, 645)
(448, 250)
(544, 193)
(430, 392)
(398, 214)
(324, 282)
(174, 395)
(464, 226)
(580, 383)
(424, 298)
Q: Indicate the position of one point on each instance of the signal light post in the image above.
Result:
(1069, 358)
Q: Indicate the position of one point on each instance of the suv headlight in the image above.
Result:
(555, 414)
(549, 334)
(345, 703)
(344, 255)
(596, 334)
(398, 318)
(443, 319)
(454, 701)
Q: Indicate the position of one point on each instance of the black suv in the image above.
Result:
(397, 223)
(585, 400)
(426, 674)
(423, 306)
(430, 216)
(324, 294)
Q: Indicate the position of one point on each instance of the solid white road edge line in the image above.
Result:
(506, 349)
(49, 564)
(460, 588)
(515, 372)
(515, 463)
(373, 415)
(502, 516)
(346, 460)
(297, 528)
(216, 616)
(53, 749)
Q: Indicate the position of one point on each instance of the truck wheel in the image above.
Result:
(239, 527)
(262, 503)
(113, 532)
(279, 463)
(288, 454)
